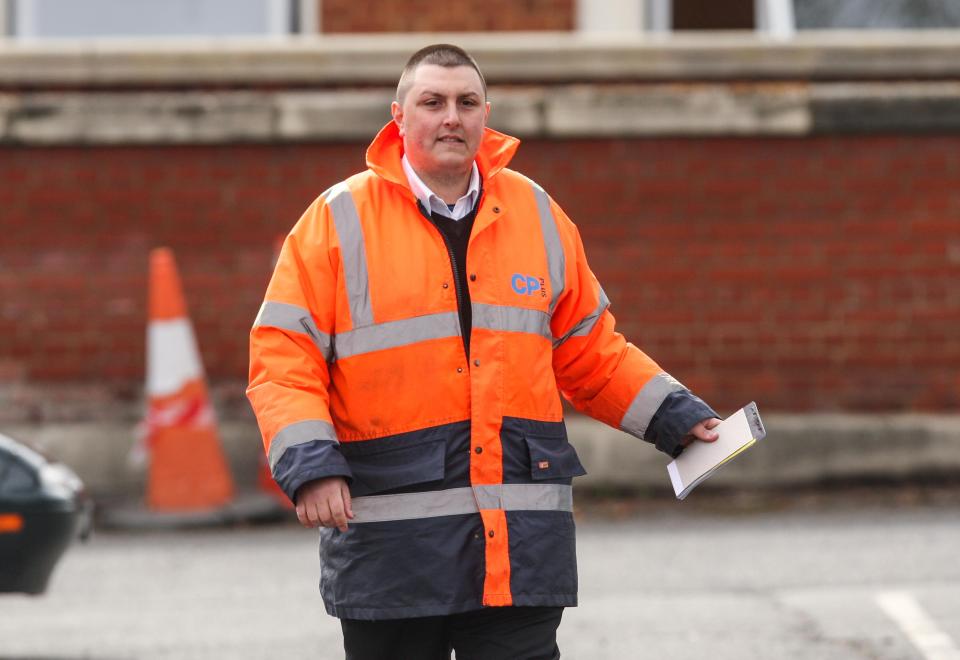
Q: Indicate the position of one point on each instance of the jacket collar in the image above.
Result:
(386, 150)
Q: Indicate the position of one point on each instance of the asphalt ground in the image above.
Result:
(864, 572)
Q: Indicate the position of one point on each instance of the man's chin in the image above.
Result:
(452, 151)
(458, 160)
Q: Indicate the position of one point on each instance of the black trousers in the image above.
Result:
(493, 633)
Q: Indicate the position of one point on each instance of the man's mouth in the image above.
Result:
(450, 139)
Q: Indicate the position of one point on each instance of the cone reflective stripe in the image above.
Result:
(265, 479)
(187, 470)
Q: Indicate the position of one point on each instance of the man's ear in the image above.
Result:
(397, 112)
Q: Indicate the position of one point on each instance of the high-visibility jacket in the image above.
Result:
(459, 465)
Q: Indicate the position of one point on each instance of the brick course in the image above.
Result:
(810, 274)
(465, 16)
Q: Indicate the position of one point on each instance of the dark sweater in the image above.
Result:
(456, 235)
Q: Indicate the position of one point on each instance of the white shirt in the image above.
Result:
(433, 203)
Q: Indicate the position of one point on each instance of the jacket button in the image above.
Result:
(459, 370)
(476, 363)
(445, 285)
(490, 533)
(479, 450)
(496, 209)
(473, 277)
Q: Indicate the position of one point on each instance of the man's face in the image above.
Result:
(442, 119)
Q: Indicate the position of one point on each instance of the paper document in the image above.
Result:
(738, 432)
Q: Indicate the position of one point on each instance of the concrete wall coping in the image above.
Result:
(799, 449)
(542, 57)
(104, 117)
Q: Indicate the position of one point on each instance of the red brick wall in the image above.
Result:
(809, 274)
(431, 16)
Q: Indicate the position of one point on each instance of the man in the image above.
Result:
(406, 370)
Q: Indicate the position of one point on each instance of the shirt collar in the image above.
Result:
(433, 203)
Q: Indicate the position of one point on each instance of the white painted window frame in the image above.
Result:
(278, 17)
(659, 15)
(775, 18)
(308, 13)
(605, 16)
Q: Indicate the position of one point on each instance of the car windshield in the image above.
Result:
(15, 476)
(30, 456)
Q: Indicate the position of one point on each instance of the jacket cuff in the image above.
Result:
(678, 413)
(309, 461)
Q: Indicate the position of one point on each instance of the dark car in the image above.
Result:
(43, 507)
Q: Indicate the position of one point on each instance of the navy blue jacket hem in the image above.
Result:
(443, 609)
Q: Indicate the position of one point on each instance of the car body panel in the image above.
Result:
(43, 505)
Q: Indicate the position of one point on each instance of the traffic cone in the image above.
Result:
(187, 468)
(264, 476)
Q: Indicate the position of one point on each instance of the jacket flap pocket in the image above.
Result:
(552, 457)
(397, 467)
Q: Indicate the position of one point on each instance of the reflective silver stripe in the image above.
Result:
(299, 433)
(295, 319)
(648, 400)
(354, 253)
(527, 497)
(396, 333)
(511, 319)
(556, 260)
(459, 501)
(585, 326)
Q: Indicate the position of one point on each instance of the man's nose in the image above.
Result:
(451, 115)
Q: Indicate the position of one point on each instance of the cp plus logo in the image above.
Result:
(527, 285)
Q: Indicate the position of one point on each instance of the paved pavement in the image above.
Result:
(778, 577)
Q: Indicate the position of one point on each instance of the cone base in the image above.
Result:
(188, 471)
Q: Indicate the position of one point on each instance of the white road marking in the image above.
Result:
(933, 643)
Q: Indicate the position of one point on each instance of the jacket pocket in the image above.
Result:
(552, 457)
(393, 468)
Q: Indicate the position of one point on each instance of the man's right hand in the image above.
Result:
(324, 503)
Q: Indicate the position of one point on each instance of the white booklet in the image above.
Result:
(738, 432)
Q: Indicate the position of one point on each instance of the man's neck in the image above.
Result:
(447, 186)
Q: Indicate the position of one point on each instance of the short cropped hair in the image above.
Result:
(445, 55)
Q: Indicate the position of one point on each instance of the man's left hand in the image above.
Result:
(701, 431)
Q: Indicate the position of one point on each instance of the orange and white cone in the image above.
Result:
(264, 476)
(187, 468)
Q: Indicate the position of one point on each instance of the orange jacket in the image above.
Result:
(459, 467)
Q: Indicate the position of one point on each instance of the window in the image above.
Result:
(15, 477)
(772, 17)
(782, 17)
(43, 19)
(712, 15)
(869, 14)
